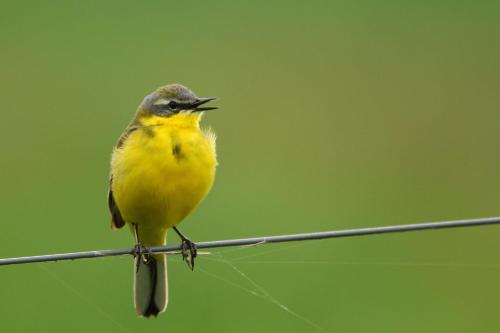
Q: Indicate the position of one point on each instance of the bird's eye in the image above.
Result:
(173, 105)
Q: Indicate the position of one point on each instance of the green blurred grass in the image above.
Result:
(334, 115)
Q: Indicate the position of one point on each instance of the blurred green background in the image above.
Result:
(334, 114)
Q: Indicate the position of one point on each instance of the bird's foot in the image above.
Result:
(188, 249)
(189, 252)
(143, 251)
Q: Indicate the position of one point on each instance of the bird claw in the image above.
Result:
(143, 251)
(189, 252)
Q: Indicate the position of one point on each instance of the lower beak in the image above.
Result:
(197, 108)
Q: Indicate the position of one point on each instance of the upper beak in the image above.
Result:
(196, 105)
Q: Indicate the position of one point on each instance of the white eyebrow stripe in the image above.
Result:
(161, 101)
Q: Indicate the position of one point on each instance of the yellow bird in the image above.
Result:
(161, 169)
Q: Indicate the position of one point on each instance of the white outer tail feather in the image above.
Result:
(150, 285)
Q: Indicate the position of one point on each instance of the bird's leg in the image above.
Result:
(189, 250)
(141, 250)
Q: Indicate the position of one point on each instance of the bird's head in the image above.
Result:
(174, 99)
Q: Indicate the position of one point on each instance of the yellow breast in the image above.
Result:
(163, 171)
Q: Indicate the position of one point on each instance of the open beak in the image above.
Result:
(196, 106)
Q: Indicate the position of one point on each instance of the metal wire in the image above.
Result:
(172, 249)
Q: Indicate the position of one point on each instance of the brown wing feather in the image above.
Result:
(117, 220)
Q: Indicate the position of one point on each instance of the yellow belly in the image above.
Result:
(160, 175)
